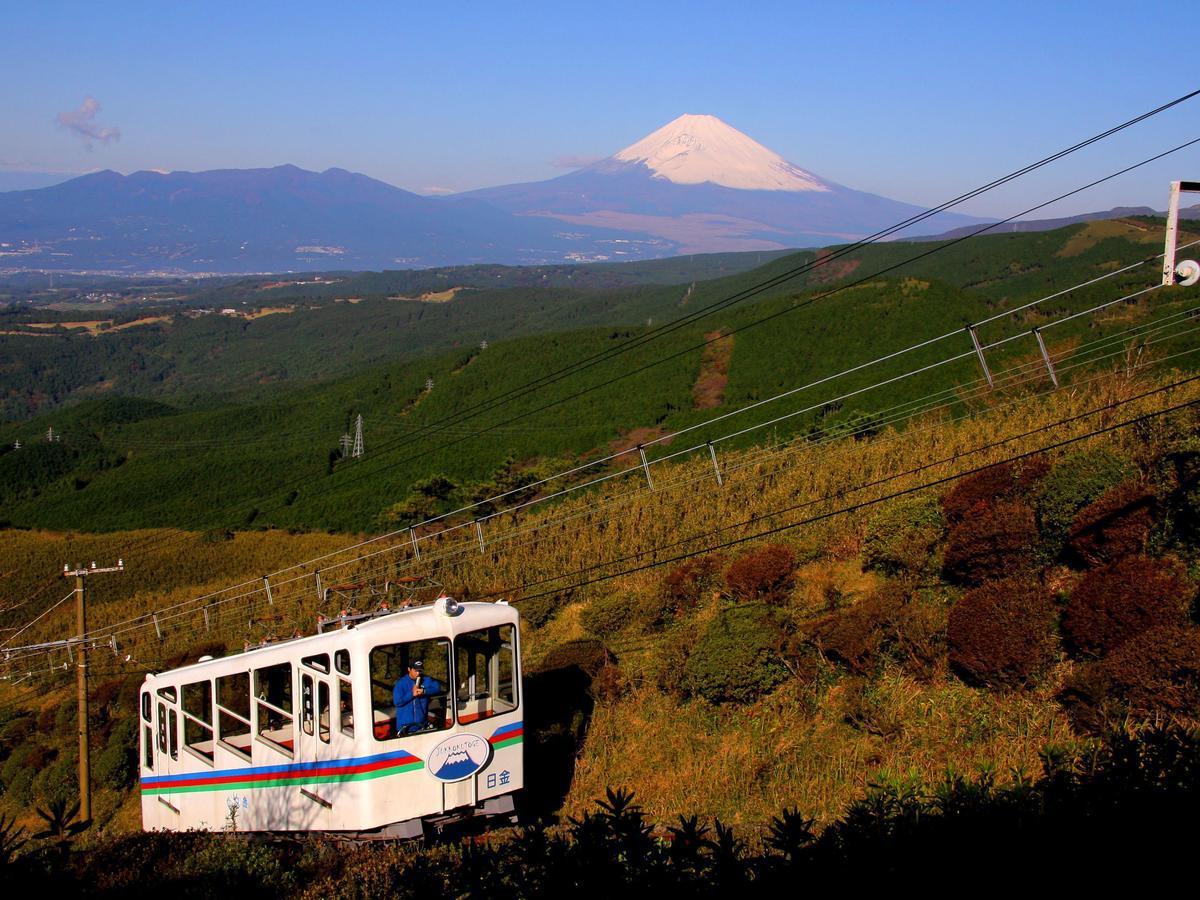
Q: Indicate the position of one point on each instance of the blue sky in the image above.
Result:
(916, 101)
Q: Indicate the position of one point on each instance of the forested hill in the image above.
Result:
(272, 458)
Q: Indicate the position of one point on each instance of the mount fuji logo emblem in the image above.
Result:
(458, 757)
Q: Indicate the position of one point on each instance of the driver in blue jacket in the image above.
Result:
(411, 698)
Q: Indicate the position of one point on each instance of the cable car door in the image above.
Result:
(166, 722)
(313, 740)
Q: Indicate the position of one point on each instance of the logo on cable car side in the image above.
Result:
(458, 757)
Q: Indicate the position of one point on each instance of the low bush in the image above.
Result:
(1077, 479)
(736, 659)
(1006, 481)
(685, 584)
(1111, 605)
(994, 542)
(764, 574)
(1002, 633)
(116, 765)
(1116, 525)
(901, 537)
(607, 613)
(1153, 674)
(853, 636)
(890, 623)
(537, 611)
(588, 655)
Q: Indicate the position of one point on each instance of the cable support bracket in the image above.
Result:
(1037, 333)
(645, 466)
(712, 452)
(987, 373)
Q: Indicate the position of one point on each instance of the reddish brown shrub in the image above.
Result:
(853, 635)
(1002, 634)
(683, 585)
(1111, 605)
(1002, 482)
(609, 684)
(1116, 525)
(1154, 673)
(768, 573)
(889, 622)
(993, 542)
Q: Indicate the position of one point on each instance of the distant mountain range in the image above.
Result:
(695, 185)
(280, 219)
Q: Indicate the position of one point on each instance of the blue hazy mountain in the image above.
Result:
(278, 219)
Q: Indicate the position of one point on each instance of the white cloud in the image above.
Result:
(82, 123)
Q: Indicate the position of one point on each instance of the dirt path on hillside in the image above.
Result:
(709, 390)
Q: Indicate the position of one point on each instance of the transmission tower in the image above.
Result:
(358, 441)
(428, 385)
(345, 440)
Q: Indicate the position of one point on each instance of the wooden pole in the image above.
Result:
(81, 687)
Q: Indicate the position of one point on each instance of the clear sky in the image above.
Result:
(916, 101)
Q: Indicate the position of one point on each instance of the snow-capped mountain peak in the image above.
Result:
(697, 149)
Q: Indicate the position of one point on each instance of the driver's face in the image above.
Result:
(413, 673)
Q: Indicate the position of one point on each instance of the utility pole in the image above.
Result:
(80, 574)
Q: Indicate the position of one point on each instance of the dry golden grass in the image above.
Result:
(743, 764)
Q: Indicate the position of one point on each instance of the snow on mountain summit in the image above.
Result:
(698, 149)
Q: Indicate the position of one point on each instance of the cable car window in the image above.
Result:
(273, 706)
(162, 728)
(483, 665)
(407, 700)
(306, 703)
(168, 693)
(146, 707)
(233, 712)
(173, 734)
(320, 662)
(148, 746)
(346, 707)
(341, 659)
(197, 719)
(323, 711)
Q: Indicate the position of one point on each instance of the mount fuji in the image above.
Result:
(705, 186)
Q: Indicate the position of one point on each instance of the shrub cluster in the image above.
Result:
(901, 537)
(1152, 674)
(1115, 603)
(764, 574)
(736, 659)
(1116, 525)
(993, 542)
(1002, 633)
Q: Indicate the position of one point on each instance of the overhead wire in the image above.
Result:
(765, 285)
(181, 612)
(681, 321)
